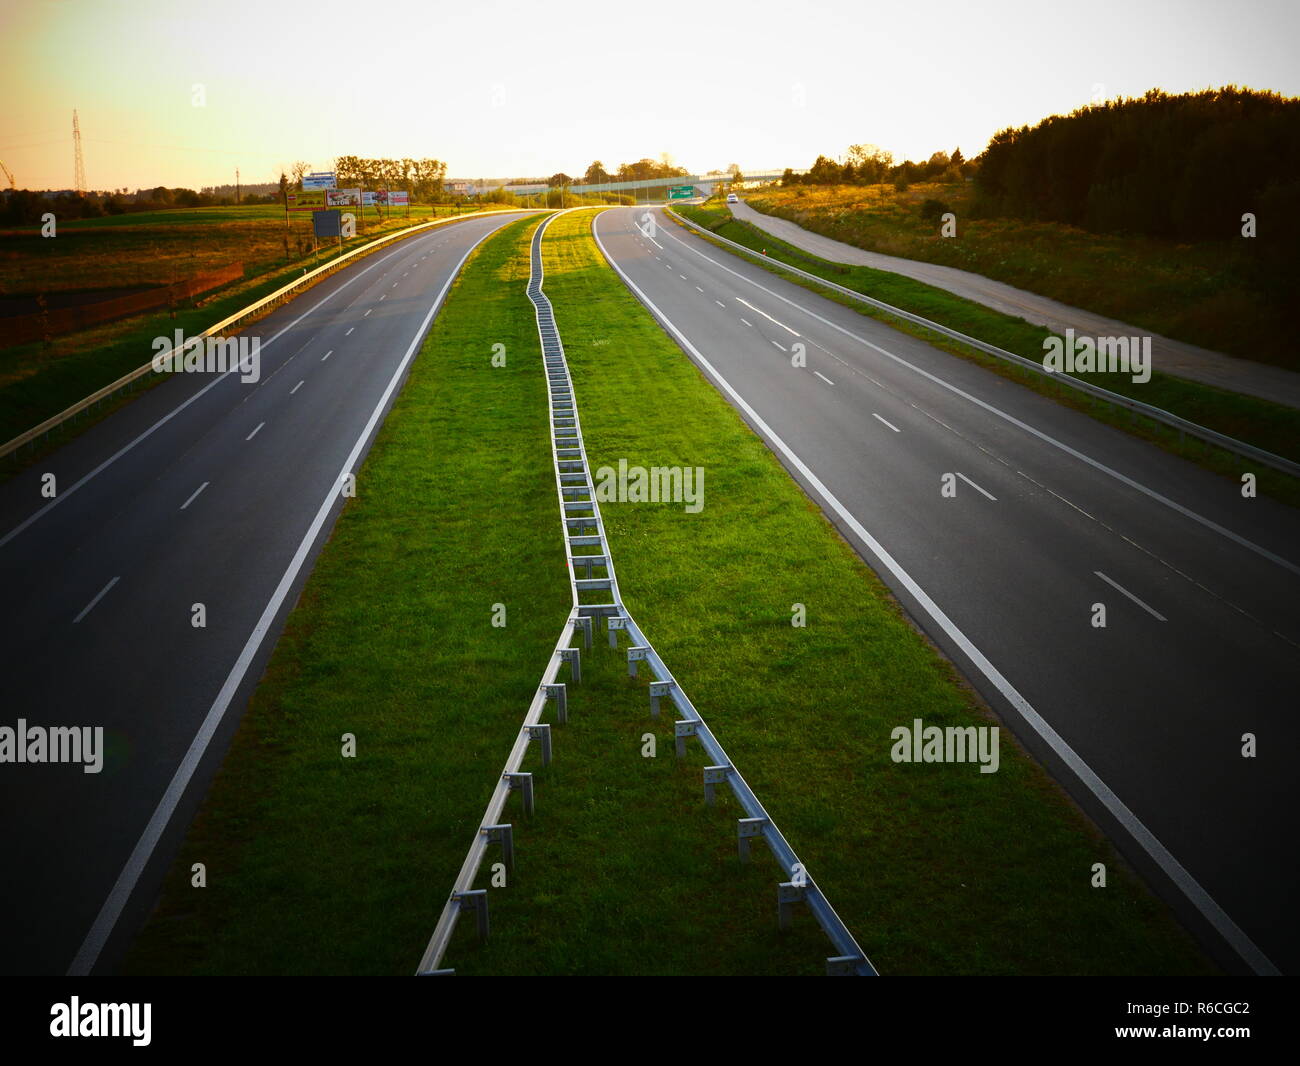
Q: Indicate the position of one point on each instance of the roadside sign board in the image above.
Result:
(325, 223)
(681, 192)
(397, 198)
(318, 179)
(342, 197)
(307, 200)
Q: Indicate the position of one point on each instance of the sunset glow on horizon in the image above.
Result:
(765, 85)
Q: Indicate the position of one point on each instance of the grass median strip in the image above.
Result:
(1266, 425)
(936, 868)
(322, 864)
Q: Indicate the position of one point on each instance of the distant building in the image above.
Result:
(460, 188)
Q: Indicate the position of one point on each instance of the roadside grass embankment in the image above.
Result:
(1270, 426)
(1180, 290)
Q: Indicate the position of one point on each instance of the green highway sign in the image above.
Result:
(681, 192)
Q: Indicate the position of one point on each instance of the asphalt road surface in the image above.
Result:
(205, 490)
(1053, 512)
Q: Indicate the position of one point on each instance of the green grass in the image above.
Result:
(321, 865)
(1192, 292)
(1270, 426)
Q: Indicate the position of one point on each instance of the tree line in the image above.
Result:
(1183, 167)
(869, 164)
(424, 179)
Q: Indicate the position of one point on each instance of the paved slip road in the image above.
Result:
(215, 492)
(1053, 512)
(1169, 356)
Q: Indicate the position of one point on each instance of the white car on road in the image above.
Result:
(731, 198)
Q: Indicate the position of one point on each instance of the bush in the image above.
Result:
(933, 210)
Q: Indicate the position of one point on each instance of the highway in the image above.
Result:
(1171, 356)
(204, 490)
(1049, 512)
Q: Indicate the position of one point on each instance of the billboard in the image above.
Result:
(307, 200)
(370, 199)
(318, 179)
(397, 198)
(342, 197)
(325, 223)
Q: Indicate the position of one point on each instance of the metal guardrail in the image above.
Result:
(1156, 414)
(587, 548)
(127, 380)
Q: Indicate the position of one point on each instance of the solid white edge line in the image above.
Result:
(102, 593)
(1142, 836)
(97, 937)
(889, 424)
(194, 495)
(1186, 512)
(976, 487)
(173, 413)
(1121, 589)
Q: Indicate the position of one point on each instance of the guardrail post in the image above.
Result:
(714, 775)
(522, 783)
(584, 623)
(658, 690)
(787, 895)
(573, 657)
(504, 835)
(542, 732)
(614, 623)
(746, 830)
(682, 730)
(558, 693)
(476, 898)
(634, 656)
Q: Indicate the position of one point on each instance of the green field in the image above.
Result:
(320, 864)
(1179, 290)
(1270, 426)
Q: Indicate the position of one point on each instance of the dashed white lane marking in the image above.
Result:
(682, 276)
(327, 355)
(349, 332)
(1120, 588)
(749, 324)
(102, 593)
(765, 315)
(698, 289)
(781, 346)
(823, 377)
(254, 433)
(368, 310)
(383, 297)
(720, 304)
(882, 421)
(194, 495)
(976, 487)
(295, 388)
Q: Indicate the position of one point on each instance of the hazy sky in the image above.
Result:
(501, 88)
